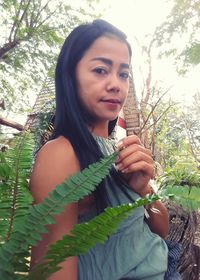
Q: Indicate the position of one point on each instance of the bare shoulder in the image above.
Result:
(58, 147)
(55, 162)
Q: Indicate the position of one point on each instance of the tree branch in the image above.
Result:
(7, 47)
(161, 115)
(12, 41)
(17, 12)
(45, 19)
(153, 109)
(10, 123)
(22, 17)
(40, 11)
(192, 144)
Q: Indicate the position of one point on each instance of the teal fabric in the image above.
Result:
(133, 252)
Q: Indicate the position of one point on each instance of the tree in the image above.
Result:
(181, 27)
(171, 132)
(192, 127)
(31, 35)
(153, 104)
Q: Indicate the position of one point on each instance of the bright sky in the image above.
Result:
(136, 17)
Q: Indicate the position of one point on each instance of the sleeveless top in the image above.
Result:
(133, 252)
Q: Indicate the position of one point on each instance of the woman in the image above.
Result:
(92, 80)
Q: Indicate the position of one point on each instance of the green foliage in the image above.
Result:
(192, 54)
(173, 135)
(32, 33)
(182, 184)
(187, 197)
(181, 26)
(15, 198)
(183, 173)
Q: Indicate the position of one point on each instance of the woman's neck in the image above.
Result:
(100, 130)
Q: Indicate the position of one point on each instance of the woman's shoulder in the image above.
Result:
(57, 149)
(57, 144)
(57, 155)
(55, 161)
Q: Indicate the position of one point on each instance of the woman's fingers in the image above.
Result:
(134, 150)
(131, 144)
(134, 157)
(129, 158)
(127, 141)
(144, 166)
(141, 166)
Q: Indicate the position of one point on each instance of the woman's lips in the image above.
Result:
(112, 104)
(114, 101)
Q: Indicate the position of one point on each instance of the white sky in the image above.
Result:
(136, 17)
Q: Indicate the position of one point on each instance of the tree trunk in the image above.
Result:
(10, 123)
(7, 47)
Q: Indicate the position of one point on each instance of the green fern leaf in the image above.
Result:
(15, 197)
(27, 231)
(187, 197)
(84, 236)
(4, 168)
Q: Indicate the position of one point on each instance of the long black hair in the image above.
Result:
(71, 120)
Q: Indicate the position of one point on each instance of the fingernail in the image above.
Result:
(124, 170)
(120, 145)
(119, 166)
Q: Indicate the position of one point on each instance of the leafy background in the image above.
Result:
(32, 33)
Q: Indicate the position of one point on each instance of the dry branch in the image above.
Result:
(10, 123)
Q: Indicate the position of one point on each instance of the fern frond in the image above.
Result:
(28, 231)
(5, 198)
(84, 236)
(15, 198)
(187, 197)
(4, 168)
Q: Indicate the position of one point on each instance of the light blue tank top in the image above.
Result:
(133, 252)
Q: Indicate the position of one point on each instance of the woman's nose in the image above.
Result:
(113, 83)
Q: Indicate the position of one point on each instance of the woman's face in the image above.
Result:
(103, 78)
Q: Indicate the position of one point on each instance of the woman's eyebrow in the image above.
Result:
(109, 62)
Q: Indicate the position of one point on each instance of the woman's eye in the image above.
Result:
(124, 75)
(100, 70)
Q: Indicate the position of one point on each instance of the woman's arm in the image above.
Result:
(137, 166)
(157, 216)
(55, 162)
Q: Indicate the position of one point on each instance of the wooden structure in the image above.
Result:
(131, 111)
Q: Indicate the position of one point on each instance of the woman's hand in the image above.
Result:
(136, 164)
